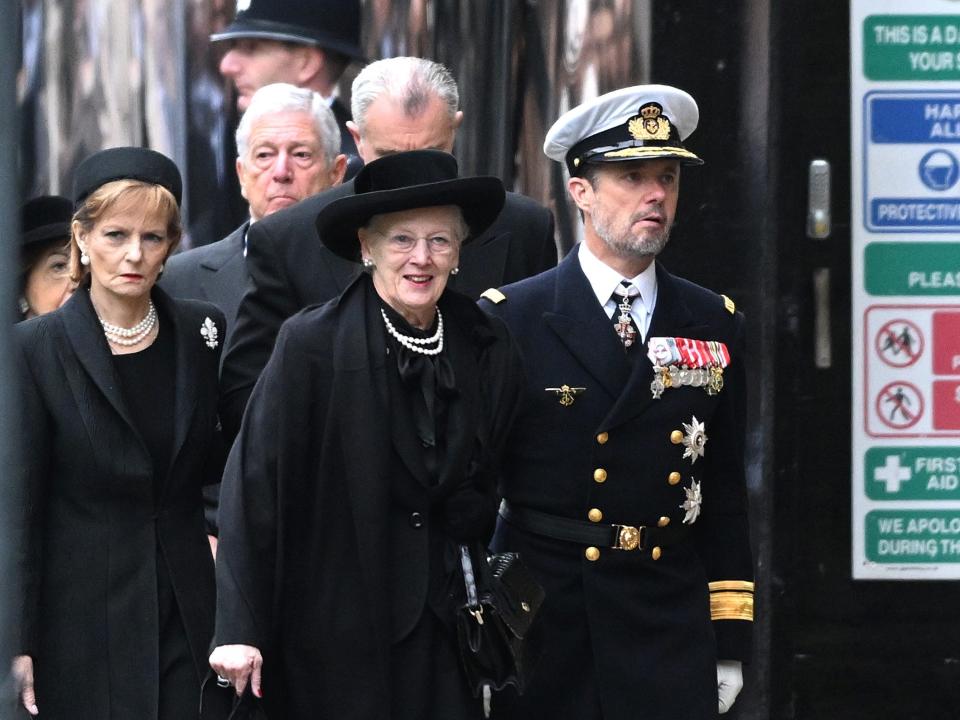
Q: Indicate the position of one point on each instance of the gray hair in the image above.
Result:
(410, 80)
(283, 97)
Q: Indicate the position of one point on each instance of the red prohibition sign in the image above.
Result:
(899, 405)
(899, 343)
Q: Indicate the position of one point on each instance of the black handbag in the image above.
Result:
(502, 600)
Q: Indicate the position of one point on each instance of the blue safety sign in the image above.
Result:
(910, 166)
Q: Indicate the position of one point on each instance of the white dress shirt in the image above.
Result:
(604, 280)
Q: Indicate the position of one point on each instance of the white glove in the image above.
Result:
(729, 683)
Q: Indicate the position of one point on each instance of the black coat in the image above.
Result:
(627, 633)
(216, 272)
(94, 531)
(319, 565)
(290, 268)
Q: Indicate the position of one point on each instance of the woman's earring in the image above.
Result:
(455, 271)
(368, 263)
(84, 258)
(23, 305)
(162, 266)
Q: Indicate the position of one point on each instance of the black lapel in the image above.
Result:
(189, 343)
(583, 326)
(359, 401)
(223, 273)
(90, 347)
(671, 318)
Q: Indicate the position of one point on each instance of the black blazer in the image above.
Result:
(216, 272)
(94, 531)
(290, 268)
(652, 607)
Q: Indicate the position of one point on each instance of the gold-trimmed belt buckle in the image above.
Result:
(629, 537)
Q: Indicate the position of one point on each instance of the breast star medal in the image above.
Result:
(694, 439)
(209, 331)
(691, 506)
(566, 393)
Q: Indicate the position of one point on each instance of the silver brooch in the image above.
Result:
(209, 331)
(694, 440)
(692, 504)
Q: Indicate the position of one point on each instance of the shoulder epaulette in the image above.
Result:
(494, 296)
(729, 304)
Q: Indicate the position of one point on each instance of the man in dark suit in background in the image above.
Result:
(307, 44)
(398, 104)
(633, 521)
(287, 149)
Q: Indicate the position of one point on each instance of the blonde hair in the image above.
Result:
(150, 198)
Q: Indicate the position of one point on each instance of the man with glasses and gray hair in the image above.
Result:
(398, 104)
(288, 148)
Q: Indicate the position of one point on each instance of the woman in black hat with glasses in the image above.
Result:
(368, 452)
(119, 394)
(45, 282)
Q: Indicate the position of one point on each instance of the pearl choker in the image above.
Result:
(130, 336)
(413, 343)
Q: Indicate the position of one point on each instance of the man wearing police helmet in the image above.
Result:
(307, 44)
(624, 481)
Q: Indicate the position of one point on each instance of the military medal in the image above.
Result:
(624, 326)
(691, 506)
(684, 361)
(694, 439)
(566, 393)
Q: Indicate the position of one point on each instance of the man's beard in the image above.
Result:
(623, 242)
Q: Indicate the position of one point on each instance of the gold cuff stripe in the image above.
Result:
(734, 585)
(656, 150)
(731, 606)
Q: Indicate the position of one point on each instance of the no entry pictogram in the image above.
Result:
(899, 405)
(899, 343)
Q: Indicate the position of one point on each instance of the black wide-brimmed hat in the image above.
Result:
(126, 163)
(404, 181)
(331, 24)
(46, 217)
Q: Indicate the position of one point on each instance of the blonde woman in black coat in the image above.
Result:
(119, 410)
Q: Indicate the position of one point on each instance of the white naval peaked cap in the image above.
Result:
(642, 122)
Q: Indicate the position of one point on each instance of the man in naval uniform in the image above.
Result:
(623, 483)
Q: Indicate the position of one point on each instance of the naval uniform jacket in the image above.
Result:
(290, 268)
(216, 272)
(319, 565)
(93, 528)
(626, 635)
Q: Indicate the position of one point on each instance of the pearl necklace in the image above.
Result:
(413, 343)
(128, 337)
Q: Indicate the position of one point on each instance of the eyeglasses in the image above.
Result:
(401, 243)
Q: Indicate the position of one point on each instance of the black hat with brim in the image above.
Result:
(329, 24)
(46, 217)
(405, 181)
(126, 163)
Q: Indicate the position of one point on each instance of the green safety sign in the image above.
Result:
(912, 268)
(911, 47)
(912, 473)
(913, 536)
